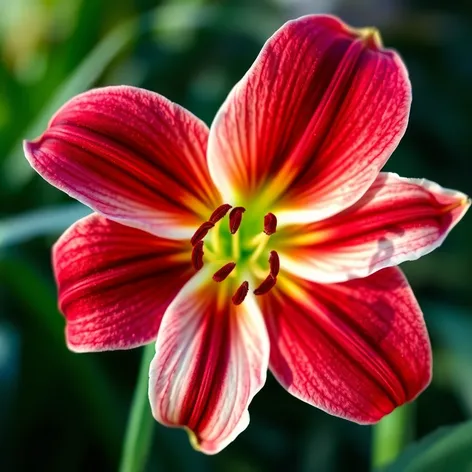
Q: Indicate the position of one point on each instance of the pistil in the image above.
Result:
(261, 240)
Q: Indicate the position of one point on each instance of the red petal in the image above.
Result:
(115, 282)
(356, 350)
(131, 155)
(314, 120)
(211, 359)
(395, 221)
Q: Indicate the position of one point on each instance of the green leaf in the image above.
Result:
(44, 222)
(447, 449)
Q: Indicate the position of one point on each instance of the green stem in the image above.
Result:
(390, 436)
(138, 436)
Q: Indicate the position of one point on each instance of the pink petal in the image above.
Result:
(131, 155)
(397, 220)
(115, 283)
(356, 350)
(313, 121)
(211, 359)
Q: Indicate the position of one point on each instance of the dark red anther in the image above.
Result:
(222, 273)
(235, 218)
(270, 224)
(266, 285)
(201, 232)
(219, 213)
(197, 255)
(274, 263)
(240, 294)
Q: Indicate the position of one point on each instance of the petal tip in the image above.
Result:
(370, 36)
(29, 147)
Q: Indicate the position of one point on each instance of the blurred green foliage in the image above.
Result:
(61, 411)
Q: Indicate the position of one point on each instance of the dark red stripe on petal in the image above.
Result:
(313, 121)
(132, 155)
(396, 220)
(357, 349)
(211, 359)
(115, 283)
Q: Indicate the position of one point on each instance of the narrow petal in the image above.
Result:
(131, 155)
(312, 122)
(356, 350)
(397, 220)
(211, 359)
(115, 283)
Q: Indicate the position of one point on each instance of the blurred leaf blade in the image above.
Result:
(448, 448)
(41, 222)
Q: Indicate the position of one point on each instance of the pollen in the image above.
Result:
(267, 285)
(270, 224)
(222, 273)
(274, 264)
(235, 218)
(197, 255)
(201, 232)
(240, 293)
(219, 213)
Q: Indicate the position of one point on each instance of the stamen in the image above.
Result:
(266, 285)
(241, 293)
(235, 218)
(222, 273)
(219, 213)
(201, 232)
(274, 263)
(197, 255)
(270, 224)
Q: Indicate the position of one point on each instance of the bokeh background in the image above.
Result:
(67, 412)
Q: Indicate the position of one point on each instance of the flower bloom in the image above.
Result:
(266, 241)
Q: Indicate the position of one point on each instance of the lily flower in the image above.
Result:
(268, 241)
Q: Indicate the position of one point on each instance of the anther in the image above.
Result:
(274, 263)
(201, 232)
(266, 285)
(219, 213)
(240, 294)
(270, 224)
(197, 255)
(222, 273)
(235, 218)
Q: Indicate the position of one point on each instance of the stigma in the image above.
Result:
(248, 258)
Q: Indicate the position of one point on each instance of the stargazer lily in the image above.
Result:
(266, 241)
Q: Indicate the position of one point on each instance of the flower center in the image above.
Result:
(238, 248)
